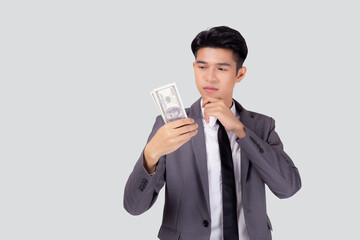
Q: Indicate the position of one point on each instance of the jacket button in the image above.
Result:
(205, 223)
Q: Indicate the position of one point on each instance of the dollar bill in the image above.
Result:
(168, 101)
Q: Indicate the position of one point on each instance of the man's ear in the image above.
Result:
(240, 74)
(194, 65)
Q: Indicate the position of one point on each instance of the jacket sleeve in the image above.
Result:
(142, 189)
(273, 164)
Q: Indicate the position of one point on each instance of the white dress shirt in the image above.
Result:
(214, 175)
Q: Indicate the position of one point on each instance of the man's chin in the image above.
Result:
(212, 95)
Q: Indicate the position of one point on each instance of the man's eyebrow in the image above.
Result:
(202, 62)
(219, 64)
(223, 64)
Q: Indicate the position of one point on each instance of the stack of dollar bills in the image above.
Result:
(168, 101)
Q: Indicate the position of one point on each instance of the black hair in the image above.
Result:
(222, 37)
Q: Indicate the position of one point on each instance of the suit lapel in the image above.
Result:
(199, 147)
(248, 122)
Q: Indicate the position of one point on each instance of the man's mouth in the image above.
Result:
(210, 89)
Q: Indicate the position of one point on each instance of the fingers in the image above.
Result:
(207, 100)
(178, 140)
(183, 129)
(181, 122)
(183, 138)
(186, 128)
(212, 110)
(171, 136)
(214, 107)
(180, 127)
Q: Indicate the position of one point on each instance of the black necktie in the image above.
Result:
(230, 223)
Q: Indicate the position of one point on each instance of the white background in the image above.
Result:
(75, 108)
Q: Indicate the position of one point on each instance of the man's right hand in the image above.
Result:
(167, 139)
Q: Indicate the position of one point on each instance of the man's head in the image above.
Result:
(222, 37)
(219, 55)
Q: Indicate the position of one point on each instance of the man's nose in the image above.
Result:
(210, 75)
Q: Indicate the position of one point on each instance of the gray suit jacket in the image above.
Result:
(186, 213)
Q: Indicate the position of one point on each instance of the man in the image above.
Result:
(216, 162)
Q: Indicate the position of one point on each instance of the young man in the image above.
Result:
(216, 162)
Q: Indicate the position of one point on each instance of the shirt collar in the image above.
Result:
(212, 120)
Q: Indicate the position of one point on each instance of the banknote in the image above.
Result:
(168, 101)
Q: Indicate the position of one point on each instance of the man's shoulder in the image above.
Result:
(252, 114)
(257, 115)
(255, 120)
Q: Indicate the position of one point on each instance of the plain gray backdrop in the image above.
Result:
(76, 110)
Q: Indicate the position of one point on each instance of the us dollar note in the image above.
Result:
(168, 100)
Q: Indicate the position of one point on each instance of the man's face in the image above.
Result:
(215, 73)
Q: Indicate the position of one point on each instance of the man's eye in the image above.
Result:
(202, 67)
(222, 69)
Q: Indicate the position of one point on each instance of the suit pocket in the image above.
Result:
(167, 233)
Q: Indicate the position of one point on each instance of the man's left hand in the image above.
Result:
(217, 108)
